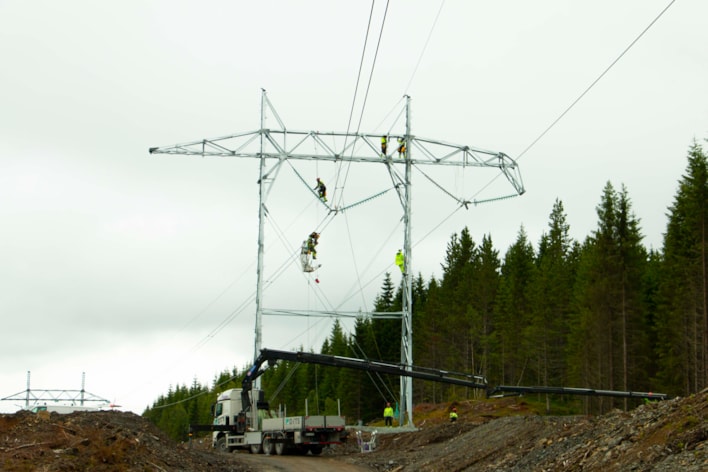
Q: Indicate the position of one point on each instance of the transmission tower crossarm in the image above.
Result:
(308, 145)
(378, 315)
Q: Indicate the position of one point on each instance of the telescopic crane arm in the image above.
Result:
(271, 356)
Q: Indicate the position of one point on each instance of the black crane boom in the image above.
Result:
(271, 356)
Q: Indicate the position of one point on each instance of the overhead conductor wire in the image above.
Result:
(361, 116)
(587, 89)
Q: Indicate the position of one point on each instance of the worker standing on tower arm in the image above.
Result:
(401, 261)
(384, 145)
(401, 147)
(321, 190)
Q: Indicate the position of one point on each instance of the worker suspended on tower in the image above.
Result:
(308, 253)
(321, 190)
(312, 242)
(401, 261)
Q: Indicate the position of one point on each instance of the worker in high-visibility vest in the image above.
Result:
(384, 145)
(321, 190)
(312, 242)
(401, 261)
(388, 415)
(453, 415)
(401, 147)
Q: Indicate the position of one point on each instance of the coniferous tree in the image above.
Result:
(365, 385)
(387, 332)
(513, 310)
(551, 292)
(483, 294)
(682, 322)
(431, 342)
(455, 290)
(609, 339)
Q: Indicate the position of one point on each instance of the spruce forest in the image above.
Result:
(603, 313)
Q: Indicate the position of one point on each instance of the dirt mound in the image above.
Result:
(499, 435)
(101, 441)
(660, 436)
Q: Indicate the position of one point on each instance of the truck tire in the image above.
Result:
(280, 447)
(221, 444)
(316, 450)
(256, 448)
(268, 445)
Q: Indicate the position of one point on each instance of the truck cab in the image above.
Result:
(228, 411)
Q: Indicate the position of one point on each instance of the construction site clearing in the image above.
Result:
(502, 434)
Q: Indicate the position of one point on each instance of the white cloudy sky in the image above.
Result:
(139, 270)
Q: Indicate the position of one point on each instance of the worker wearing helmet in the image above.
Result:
(400, 261)
(401, 147)
(388, 414)
(312, 242)
(321, 190)
(453, 415)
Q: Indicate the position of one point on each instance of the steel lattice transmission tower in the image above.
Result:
(74, 397)
(274, 147)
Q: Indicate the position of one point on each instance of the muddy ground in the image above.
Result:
(499, 435)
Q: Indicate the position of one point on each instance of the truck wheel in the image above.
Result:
(221, 444)
(255, 448)
(280, 448)
(316, 450)
(267, 445)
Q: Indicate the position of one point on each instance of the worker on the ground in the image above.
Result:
(453, 415)
(401, 147)
(388, 415)
(321, 190)
(384, 145)
(400, 261)
(312, 242)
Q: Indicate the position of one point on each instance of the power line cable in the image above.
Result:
(596, 80)
(356, 92)
(373, 67)
(368, 85)
(358, 77)
(420, 58)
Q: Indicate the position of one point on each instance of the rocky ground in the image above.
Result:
(659, 436)
(499, 435)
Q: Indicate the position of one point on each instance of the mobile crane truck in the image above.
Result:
(237, 424)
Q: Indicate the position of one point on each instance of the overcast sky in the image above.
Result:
(139, 270)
